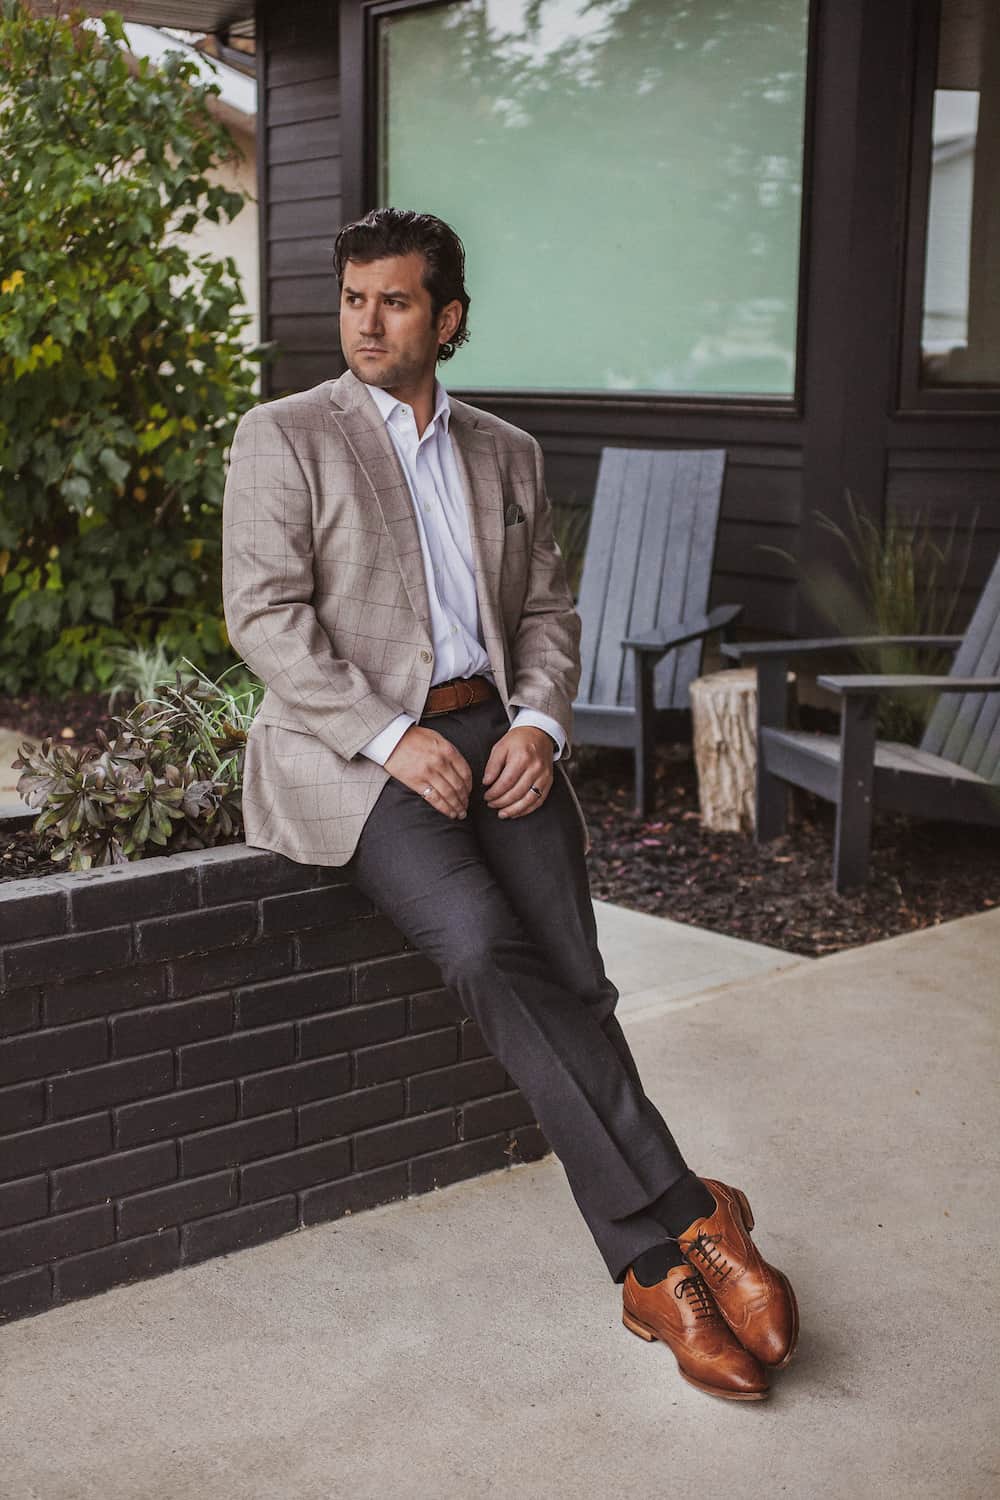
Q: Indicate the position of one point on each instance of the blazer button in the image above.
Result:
(425, 655)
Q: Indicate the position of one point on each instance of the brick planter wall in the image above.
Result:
(203, 1051)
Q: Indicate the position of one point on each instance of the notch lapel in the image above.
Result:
(479, 471)
(361, 423)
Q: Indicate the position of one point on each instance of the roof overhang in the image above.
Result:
(215, 16)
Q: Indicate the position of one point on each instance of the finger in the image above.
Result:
(513, 774)
(496, 762)
(461, 767)
(447, 774)
(521, 790)
(524, 805)
(442, 797)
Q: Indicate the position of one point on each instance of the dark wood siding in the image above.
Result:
(299, 190)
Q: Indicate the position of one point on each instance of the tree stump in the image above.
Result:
(724, 721)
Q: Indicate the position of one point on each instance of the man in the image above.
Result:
(390, 573)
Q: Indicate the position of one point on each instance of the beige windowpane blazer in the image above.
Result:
(326, 601)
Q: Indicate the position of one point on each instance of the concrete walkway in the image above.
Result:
(469, 1344)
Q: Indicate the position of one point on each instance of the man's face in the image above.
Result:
(387, 332)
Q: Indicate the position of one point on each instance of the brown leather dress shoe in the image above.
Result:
(756, 1299)
(680, 1311)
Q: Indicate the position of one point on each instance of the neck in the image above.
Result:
(420, 396)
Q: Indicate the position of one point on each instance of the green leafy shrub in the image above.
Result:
(170, 780)
(122, 371)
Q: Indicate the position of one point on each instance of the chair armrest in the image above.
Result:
(687, 630)
(859, 686)
(761, 650)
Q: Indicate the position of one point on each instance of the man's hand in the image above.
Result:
(425, 759)
(520, 760)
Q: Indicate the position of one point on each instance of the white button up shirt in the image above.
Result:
(442, 517)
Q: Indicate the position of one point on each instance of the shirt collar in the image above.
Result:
(388, 404)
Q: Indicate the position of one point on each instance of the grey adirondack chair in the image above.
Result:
(643, 598)
(954, 774)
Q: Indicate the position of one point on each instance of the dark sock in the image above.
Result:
(652, 1265)
(681, 1204)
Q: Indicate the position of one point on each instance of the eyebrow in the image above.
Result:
(354, 292)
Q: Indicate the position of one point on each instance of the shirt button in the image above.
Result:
(425, 655)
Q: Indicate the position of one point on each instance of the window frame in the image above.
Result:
(912, 397)
(359, 21)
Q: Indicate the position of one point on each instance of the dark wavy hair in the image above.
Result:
(401, 231)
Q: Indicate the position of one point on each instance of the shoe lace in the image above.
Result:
(693, 1287)
(706, 1247)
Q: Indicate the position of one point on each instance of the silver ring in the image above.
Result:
(536, 791)
(426, 791)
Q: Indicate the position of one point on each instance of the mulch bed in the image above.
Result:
(779, 894)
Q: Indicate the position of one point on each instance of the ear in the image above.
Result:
(449, 318)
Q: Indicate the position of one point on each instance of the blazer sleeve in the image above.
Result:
(267, 586)
(545, 648)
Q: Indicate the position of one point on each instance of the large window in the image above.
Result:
(960, 323)
(626, 176)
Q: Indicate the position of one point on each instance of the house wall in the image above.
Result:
(846, 432)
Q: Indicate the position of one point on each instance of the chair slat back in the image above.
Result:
(965, 727)
(648, 564)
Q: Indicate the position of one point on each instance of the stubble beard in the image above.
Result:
(396, 373)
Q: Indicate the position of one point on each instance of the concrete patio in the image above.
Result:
(468, 1343)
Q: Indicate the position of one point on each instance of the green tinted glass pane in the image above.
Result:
(626, 176)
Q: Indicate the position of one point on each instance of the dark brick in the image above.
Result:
(251, 1225)
(284, 1086)
(193, 1109)
(502, 1112)
(40, 1053)
(325, 906)
(97, 1270)
(355, 1194)
(356, 1026)
(413, 1054)
(171, 1025)
(55, 1237)
(435, 1008)
(293, 995)
(483, 1075)
(232, 1144)
(176, 1204)
(195, 932)
(368, 937)
(114, 1083)
(527, 1143)
(33, 909)
(471, 1043)
(227, 968)
(242, 1052)
(403, 1139)
(67, 957)
(20, 1010)
(236, 872)
(22, 1106)
(30, 1292)
(26, 1199)
(55, 1145)
(351, 1112)
(296, 1170)
(396, 976)
(127, 893)
(458, 1162)
(102, 994)
(111, 1176)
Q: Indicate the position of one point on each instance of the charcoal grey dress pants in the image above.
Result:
(503, 908)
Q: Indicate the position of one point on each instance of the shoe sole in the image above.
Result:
(747, 1214)
(641, 1331)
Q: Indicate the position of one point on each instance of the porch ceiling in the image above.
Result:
(188, 15)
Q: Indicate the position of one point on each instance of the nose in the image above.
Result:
(371, 321)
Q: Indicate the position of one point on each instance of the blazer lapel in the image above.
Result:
(361, 423)
(479, 471)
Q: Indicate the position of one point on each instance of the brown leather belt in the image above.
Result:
(460, 692)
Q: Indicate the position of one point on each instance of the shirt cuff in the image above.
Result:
(533, 719)
(381, 747)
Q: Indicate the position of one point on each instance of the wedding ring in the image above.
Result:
(536, 791)
(426, 791)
